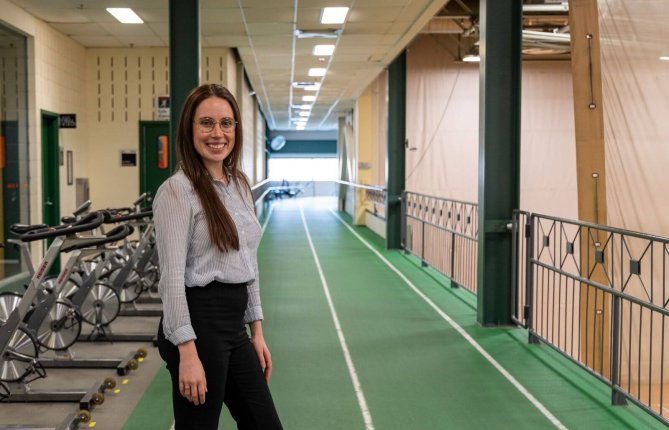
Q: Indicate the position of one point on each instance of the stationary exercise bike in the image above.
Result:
(19, 342)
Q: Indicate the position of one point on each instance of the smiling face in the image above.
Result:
(216, 145)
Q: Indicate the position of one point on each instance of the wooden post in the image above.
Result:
(591, 176)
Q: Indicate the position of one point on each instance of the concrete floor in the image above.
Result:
(119, 402)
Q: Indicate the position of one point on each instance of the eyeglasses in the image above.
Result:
(206, 125)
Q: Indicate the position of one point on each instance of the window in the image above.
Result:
(303, 169)
(14, 190)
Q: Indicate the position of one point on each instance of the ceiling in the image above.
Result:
(265, 35)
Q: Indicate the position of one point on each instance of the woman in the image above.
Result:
(207, 236)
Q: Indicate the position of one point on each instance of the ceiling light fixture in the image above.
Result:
(315, 87)
(323, 50)
(300, 127)
(309, 34)
(664, 58)
(334, 15)
(303, 84)
(308, 98)
(471, 58)
(317, 71)
(304, 113)
(125, 15)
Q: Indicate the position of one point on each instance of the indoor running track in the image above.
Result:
(364, 338)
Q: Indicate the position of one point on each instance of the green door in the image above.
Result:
(50, 175)
(154, 155)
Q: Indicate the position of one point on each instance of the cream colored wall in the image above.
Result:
(364, 137)
(248, 107)
(122, 86)
(260, 156)
(371, 127)
(55, 84)
(379, 89)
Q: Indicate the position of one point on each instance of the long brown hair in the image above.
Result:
(222, 230)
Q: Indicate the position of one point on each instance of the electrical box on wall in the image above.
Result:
(128, 158)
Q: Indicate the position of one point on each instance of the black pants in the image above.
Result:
(230, 363)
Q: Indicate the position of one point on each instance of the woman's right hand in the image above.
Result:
(192, 380)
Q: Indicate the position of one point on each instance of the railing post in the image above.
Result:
(529, 275)
(403, 203)
(617, 398)
(423, 263)
(454, 284)
(515, 219)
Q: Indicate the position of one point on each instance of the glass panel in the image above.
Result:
(14, 145)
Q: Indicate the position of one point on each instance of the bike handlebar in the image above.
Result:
(90, 222)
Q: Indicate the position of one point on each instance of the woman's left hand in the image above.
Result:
(258, 341)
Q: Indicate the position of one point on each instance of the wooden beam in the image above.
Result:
(594, 307)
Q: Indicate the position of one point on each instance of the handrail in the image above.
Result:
(260, 184)
(632, 233)
(366, 187)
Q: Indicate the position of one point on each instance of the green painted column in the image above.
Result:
(499, 154)
(184, 61)
(395, 166)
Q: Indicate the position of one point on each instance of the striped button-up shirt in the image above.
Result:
(189, 258)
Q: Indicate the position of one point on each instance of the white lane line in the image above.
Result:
(269, 215)
(460, 330)
(367, 417)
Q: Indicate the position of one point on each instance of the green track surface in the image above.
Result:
(416, 371)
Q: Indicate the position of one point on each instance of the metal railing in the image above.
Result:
(599, 295)
(521, 237)
(443, 233)
(372, 198)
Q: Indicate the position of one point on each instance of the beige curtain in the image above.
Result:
(634, 36)
(442, 123)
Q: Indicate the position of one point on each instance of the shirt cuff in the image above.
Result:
(182, 334)
(253, 313)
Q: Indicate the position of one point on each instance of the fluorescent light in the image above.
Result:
(304, 113)
(300, 127)
(305, 107)
(326, 34)
(323, 50)
(125, 15)
(315, 87)
(664, 58)
(334, 15)
(317, 71)
(471, 58)
(308, 98)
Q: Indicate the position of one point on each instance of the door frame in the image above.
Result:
(143, 125)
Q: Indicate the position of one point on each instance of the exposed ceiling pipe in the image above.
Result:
(546, 8)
